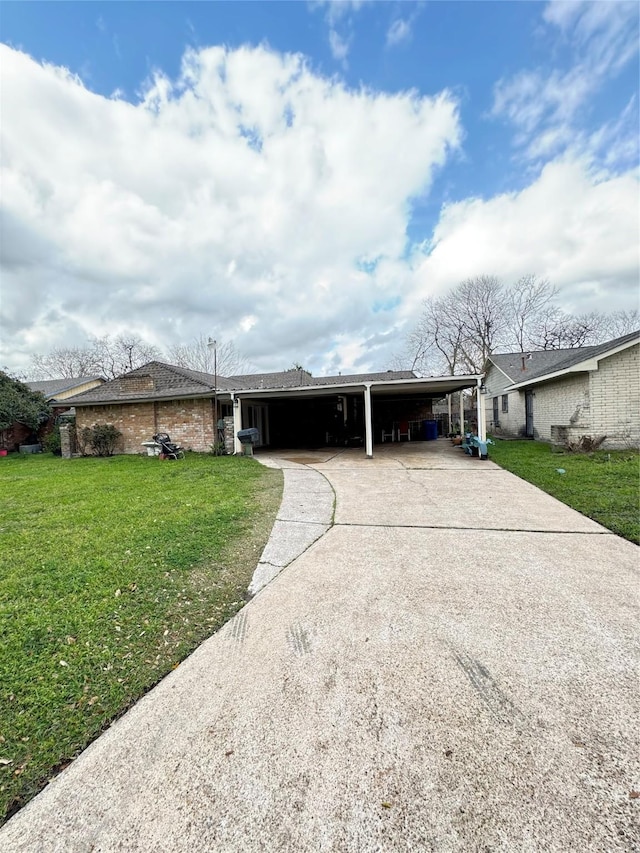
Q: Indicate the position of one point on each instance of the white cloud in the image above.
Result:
(399, 31)
(250, 199)
(339, 16)
(574, 227)
(549, 107)
(339, 45)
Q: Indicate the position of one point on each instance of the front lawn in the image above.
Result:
(111, 572)
(602, 485)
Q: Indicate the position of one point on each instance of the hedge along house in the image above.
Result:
(562, 395)
(289, 409)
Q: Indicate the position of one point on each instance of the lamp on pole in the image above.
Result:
(214, 346)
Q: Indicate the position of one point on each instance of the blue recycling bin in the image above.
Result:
(430, 430)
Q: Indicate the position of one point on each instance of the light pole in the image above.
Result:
(213, 345)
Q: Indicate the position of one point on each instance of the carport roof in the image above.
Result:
(430, 386)
(159, 381)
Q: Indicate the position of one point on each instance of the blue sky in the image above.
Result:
(425, 142)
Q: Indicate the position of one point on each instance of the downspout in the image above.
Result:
(368, 426)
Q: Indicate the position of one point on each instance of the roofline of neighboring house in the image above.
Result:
(464, 381)
(589, 363)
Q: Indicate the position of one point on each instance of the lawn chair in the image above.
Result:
(168, 449)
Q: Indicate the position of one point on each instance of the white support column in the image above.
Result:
(482, 415)
(368, 426)
(449, 408)
(461, 413)
(237, 424)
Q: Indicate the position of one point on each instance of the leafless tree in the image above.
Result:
(527, 301)
(64, 363)
(106, 356)
(199, 355)
(456, 332)
(620, 323)
(119, 355)
(555, 329)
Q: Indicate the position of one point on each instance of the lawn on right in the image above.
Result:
(604, 485)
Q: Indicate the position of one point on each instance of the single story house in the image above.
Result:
(290, 409)
(561, 395)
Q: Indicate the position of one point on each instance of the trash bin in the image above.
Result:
(430, 430)
(247, 438)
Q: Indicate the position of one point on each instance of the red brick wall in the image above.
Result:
(188, 422)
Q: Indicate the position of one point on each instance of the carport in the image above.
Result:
(352, 412)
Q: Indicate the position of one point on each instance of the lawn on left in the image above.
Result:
(111, 572)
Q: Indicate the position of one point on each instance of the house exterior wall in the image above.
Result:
(511, 423)
(562, 402)
(615, 399)
(78, 389)
(188, 422)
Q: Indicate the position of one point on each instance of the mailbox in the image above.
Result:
(247, 438)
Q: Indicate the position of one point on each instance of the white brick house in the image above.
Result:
(565, 394)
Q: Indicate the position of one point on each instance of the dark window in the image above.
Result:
(505, 403)
(495, 410)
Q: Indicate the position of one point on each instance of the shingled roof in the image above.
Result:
(526, 366)
(158, 381)
(51, 387)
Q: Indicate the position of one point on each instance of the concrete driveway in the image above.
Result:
(451, 666)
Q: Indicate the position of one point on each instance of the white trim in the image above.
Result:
(368, 425)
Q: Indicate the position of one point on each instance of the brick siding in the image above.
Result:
(557, 402)
(188, 422)
(615, 398)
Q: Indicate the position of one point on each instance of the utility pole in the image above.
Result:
(213, 345)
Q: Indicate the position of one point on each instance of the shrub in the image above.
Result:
(83, 440)
(103, 439)
(51, 443)
(586, 443)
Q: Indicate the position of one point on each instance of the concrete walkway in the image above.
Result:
(451, 666)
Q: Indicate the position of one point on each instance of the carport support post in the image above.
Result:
(450, 427)
(368, 427)
(482, 415)
(462, 413)
(237, 424)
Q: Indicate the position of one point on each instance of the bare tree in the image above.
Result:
(119, 355)
(555, 329)
(199, 355)
(456, 332)
(64, 363)
(106, 356)
(527, 301)
(620, 323)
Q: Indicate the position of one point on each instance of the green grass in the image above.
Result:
(111, 572)
(604, 486)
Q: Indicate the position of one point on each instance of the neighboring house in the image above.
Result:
(60, 389)
(290, 409)
(54, 391)
(561, 395)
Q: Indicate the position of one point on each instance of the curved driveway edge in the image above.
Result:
(305, 514)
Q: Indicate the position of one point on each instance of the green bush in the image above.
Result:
(104, 439)
(51, 443)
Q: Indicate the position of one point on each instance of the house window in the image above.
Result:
(505, 403)
(495, 410)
